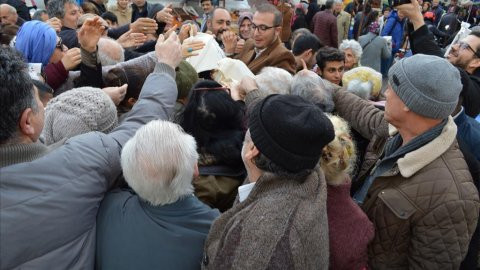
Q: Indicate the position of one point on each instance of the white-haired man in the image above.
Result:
(49, 201)
(110, 52)
(161, 212)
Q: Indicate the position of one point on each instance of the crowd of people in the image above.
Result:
(292, 136)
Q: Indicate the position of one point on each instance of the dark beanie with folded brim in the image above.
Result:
(290, 131)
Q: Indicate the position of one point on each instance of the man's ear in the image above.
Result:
(278, 30)
(209, 23)
(196, 172)
(252, 152)
(474, 64)
(26, 121)
(131, 101)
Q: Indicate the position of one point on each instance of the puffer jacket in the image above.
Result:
(48, 207)
(426, 208)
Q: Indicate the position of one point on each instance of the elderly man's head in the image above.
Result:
(219, 22)
(66, 10)
(110, 52)
(415, 97)
(285, 138)
(308, 85)
(21, 110)
(272, 80)
(8, 14)
(151, 170)
(266, 26)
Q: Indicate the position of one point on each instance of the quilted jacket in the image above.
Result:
(426, 208)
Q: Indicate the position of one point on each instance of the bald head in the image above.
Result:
(110, 52)
(8, 14)
(220, 21)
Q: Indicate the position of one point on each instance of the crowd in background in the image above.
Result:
(307, 135)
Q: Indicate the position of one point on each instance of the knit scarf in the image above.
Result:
(11, 154)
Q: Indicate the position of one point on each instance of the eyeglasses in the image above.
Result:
(262, 28)
(213, 89)
(463, 45)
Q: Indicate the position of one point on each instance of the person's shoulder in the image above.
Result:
(119, 198)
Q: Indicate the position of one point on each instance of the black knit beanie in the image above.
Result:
(290, 131)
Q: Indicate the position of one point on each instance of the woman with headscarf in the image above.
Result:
(39, 43)
(245, 25)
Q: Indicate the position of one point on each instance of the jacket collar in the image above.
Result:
(416, 160)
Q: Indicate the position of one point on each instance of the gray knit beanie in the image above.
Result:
(79, 111)
(428, 85)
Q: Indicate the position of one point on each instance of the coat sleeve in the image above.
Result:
(55, 75)
(360, 114)
(286, 61)
(334, 33)
(388, 27)
(346, 26)
(423, 41)
(441, 238)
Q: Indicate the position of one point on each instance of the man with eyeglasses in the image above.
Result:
(465, 54)
(265, 48)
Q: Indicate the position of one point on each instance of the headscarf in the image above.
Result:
(36, 40)
(243, 16)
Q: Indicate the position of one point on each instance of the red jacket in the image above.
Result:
(324, 26)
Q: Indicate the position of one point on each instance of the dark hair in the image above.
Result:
(269, 8)
(306, 42)
(371, 17)
(134, 76)
(7, 33)
(328, 54)
(110, 16)
(38, 14)
(88, 7)
(16, 92)
(215, 120)
(476, 32)
(56, 8)
(329, 4)
(201, 1)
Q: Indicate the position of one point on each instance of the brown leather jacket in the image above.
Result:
(276, 55)
(426, 208)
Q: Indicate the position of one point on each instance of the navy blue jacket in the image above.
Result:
(469, 132)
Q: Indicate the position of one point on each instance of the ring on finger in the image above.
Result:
(190, 50)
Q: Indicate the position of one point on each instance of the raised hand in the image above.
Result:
(239, 47)
(72, 59)
(165, 15)
(191, 47)
(169, 51)
(130, 39)
(117, 94)
(187, 30)
(91, 31)
(229, 40)
(55, 23)
(144, 25)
